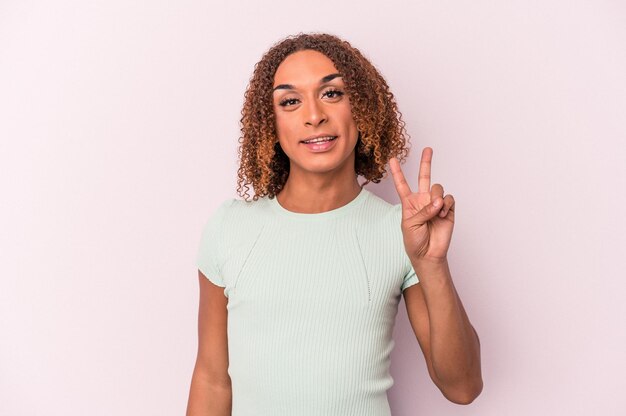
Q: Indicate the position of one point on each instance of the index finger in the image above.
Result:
(423, 181)
(398, 179)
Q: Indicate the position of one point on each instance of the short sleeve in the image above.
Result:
(209, 254)
(410, 278)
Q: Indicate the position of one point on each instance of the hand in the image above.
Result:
(427, 216)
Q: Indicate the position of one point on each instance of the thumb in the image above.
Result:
(428, 212)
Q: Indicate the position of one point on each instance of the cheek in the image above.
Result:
(284, 132)
(346, 116)
(282, 123)
(349, 123)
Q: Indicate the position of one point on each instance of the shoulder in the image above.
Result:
(379, 221)
(234, 209)
(240, 210)
(234, 216)
(240, 219)
(233, 223)
(377, 211)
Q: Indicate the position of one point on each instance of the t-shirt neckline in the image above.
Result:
(333, 213)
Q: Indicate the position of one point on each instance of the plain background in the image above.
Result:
(119, 126)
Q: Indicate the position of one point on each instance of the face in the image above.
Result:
(310, 102)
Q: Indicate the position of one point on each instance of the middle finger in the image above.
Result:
(423, 180)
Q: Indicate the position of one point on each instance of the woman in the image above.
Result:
(299, 287)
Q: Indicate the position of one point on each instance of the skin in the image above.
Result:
(317, 182)
(448, 340)
(210, 393)
(320, 182)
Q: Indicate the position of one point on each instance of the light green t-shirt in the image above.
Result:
(312, 301)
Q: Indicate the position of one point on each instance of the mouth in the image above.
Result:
(318, 140)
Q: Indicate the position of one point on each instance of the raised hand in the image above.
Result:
(427, 216)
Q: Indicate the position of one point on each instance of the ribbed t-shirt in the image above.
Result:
(312, 301)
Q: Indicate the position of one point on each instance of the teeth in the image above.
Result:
(320, 139)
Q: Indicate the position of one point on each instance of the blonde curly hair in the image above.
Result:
(382, 134)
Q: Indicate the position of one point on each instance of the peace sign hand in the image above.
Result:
(427, 224)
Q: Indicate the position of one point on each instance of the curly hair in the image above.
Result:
(382, 134)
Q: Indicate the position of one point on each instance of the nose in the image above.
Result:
(314, 114)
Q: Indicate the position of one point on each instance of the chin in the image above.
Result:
(325, 166)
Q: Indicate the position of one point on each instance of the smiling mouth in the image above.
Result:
(319, 140)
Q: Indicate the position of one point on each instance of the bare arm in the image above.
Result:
(448, 340)
(210, 393)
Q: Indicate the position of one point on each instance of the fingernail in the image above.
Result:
(437, 203)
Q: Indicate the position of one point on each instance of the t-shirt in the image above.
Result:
(312, 301)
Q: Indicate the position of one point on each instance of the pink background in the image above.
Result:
(118, 137)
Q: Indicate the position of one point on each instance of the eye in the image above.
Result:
(333, 93)
(288, 101)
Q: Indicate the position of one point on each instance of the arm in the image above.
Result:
(210, 392)
(449, 342)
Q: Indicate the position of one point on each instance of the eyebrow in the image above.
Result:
(327, 78)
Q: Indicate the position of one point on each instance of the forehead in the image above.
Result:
(304, 67)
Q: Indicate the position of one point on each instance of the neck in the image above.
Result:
(312, 194)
